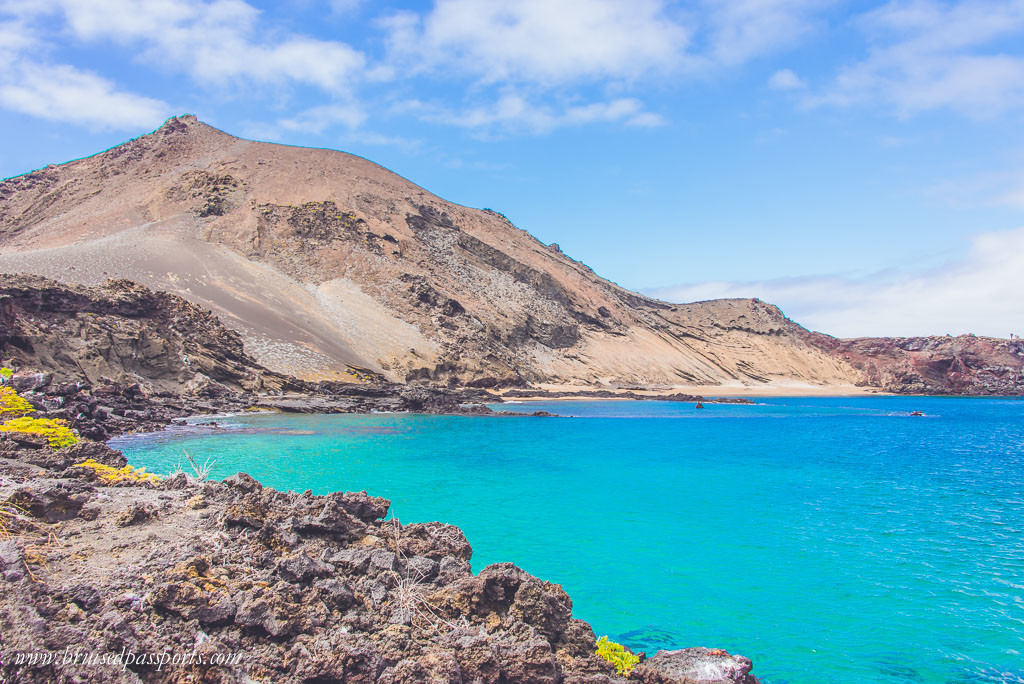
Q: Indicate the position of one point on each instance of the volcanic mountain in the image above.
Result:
(332, 267)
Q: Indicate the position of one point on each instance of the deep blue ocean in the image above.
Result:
(830, 540)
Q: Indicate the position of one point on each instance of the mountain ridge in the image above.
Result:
(332, 267)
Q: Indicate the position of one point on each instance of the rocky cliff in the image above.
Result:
(135, 580)
(121, 357)
(329, 266)
(965, 364)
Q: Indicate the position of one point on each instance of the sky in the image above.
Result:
(859, 164)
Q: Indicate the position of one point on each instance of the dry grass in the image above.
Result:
(409, 594)
(202, 471)
(39, 543)
(13, 521)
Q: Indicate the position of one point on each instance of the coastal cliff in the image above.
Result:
(120, 357)
(965, 364)
(109, 574)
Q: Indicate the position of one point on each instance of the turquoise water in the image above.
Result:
(831, 540)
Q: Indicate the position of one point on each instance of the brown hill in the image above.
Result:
(330, 266)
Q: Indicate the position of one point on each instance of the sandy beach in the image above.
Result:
(773, 389)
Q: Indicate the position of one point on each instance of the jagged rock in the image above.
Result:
(695, 666)
(24, 382)
(302, 569)
(436, 541)
(135, 514)
(272, 575)
(11, 560)
(52, 501)
(243, 482)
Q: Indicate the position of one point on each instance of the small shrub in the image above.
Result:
(617, 655)
(118, 475)
(57, 433)
(6, 373)
(13, 405)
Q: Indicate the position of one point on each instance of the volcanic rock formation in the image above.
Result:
(965, 364)
(328, 265)
(189, 581)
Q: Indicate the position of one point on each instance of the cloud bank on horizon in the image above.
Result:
(979, 294)
(772, 122)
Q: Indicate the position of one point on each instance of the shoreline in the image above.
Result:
(704, 392)
(103, 558)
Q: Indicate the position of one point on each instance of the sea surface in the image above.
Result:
(830, 540)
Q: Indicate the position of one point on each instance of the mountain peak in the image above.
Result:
(187, 124)
(176, 123)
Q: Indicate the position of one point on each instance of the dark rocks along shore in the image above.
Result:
(266, 586)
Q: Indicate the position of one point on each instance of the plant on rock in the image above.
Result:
(56, 432)
(118, 475)
(13, 405)
(617, 655)
(6, 373)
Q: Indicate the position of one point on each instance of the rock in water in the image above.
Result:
(695, 666)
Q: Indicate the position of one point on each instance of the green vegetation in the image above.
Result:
(118, 475)
(6, 373)
(617, 655)
(13, 405)
(15, 412)
(57, 433)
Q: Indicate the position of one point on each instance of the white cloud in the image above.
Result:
(514, 112)
(979, 294)
(215, 42)
(319, 119)
(345, 6)
(218, 43)
(929, 55)
(988, 189)
(64, 93)
(14, 39)
(741, 30)
(544, 48)
(785, 79)
(539, 41)
(550, 43)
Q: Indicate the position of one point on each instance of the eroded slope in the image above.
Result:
(329, 265)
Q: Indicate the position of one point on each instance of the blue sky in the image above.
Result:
(861, 164)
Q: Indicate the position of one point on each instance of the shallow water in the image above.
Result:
(830, 540)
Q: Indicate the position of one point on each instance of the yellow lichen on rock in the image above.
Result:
(56, 432)
(13, 405)
(118, 475)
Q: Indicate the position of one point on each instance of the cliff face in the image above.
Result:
(122, 332)
(966, 364)
(328, 265)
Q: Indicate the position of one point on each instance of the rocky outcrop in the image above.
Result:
(121, 357)
(695, 666)
(122, 332)
(965, 364)
(232, 581)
